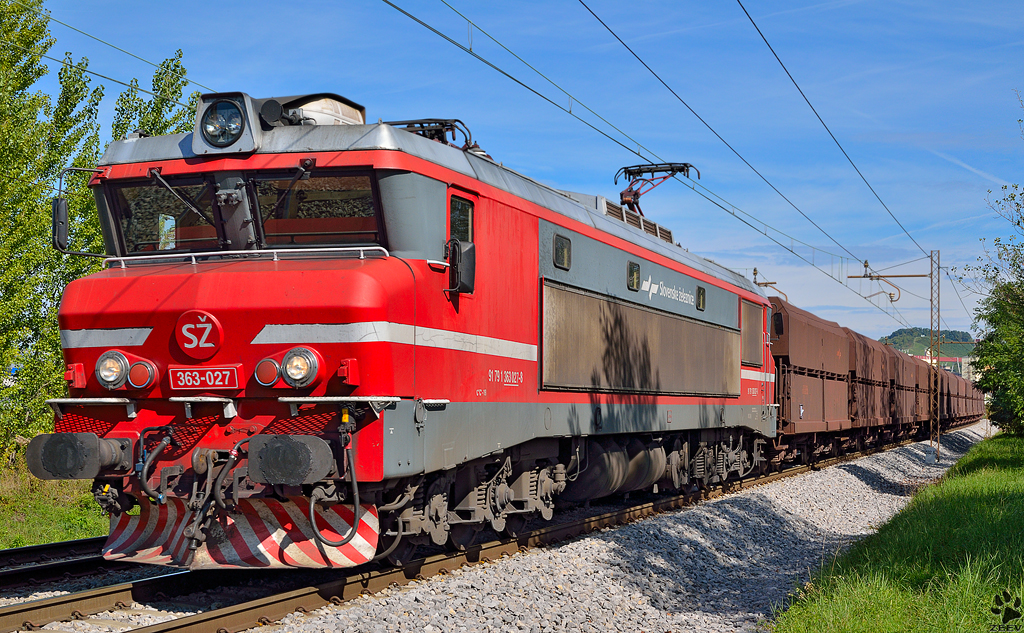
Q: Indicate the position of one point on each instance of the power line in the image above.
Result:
(719, 136)
(731, 209)
(49, 16)
(725, 205)
(572, 99)
(902, 320)
(878, 270)
(507, 75)
(838, 144)
(968, 312)
(959, 281)
(912, 294)
(59, 61)
(549, 80)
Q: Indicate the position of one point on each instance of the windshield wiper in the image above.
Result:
(155, 175)
(304, 167)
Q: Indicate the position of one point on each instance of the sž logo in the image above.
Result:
(198, 334)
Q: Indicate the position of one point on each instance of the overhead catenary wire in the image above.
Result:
(49, 16)
(878, 270)
(957, 292)
(732, 209)
(91, 72)
(822, 121)
(708, 126)
(902, 320)
(710, 196)
(511, 78)
(719, 136)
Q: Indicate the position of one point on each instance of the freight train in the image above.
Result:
(317, 342)
(839, 390)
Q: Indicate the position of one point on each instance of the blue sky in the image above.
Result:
(920, 94)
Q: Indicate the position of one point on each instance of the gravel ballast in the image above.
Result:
(718, 566)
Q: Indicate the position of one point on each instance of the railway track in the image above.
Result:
(37, 564)
(302, 596)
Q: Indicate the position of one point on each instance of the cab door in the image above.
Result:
(460, 247)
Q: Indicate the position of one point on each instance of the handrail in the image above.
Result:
(276, 252)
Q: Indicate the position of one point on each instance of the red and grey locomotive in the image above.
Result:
(316, 342)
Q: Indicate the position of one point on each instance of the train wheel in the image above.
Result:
(462, 535)
(515, 524)
(403, 554)
(437, 511)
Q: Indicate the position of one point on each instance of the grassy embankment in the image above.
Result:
(34, 511)
(938, 564)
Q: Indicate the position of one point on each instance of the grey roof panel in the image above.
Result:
(137, 150)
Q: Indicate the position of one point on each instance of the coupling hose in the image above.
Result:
(144, 475)
(318, 495)
(218, 493)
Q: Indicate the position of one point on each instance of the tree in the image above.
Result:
(1000, 354)
(39, 137)
(1000, 276)
(161, 114)
(915, 340)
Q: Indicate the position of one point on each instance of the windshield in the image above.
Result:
(151, 218)
(324, 209)
(287, 209)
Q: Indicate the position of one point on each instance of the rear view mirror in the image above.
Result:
(60, 215)
(461, 266)
(60, 224)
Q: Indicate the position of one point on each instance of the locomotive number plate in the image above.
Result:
(204, 377)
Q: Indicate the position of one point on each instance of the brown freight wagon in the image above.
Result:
(903, 377)
(945, 396)
(869, 376)
(921, 411)
(830, 378)
(810, 355)
(956, 390)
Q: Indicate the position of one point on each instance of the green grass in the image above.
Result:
(938, 564)
(34, 511)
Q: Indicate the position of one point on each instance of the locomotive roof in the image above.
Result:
(381, 136)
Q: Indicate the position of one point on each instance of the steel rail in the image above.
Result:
(48, 551)
(35, 614)
(37, 564)
(40, 573)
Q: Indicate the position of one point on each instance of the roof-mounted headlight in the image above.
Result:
(112, 369)
(299, 367)
(222, 123)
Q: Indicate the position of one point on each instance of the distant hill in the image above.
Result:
(915, 341)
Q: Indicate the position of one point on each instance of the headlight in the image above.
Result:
(112, 369)
(222, 123)
(300, 367)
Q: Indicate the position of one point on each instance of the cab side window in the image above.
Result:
(461, 227)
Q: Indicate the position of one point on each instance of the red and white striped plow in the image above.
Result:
(264, 533)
